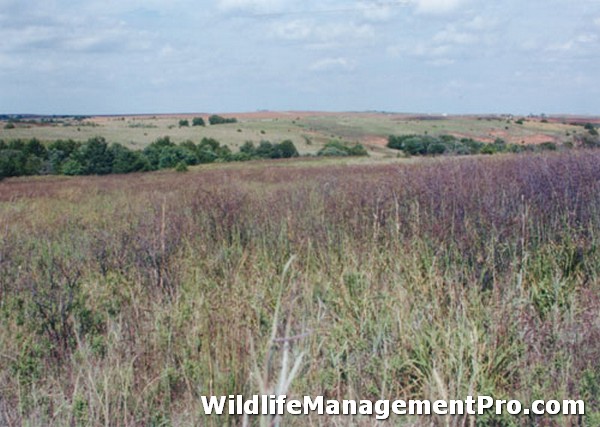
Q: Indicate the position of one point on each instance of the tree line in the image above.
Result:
(421, 145)
(97, 157)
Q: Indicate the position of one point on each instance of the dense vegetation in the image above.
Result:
(218, 120)
(123, 299)
(97, 157)
(336, 148)
(416, 145)
(419, 145)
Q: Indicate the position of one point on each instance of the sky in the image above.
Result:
(177, 56)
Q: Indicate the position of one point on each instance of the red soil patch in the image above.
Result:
(533, 139)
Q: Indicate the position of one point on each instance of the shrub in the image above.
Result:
(184, 123)
(73, 167)
(153, 151)
(12, 162)
(169, 157)
(126, 160)
(248, 148)
(198, 121)
(336, 148)
(591, 129)
(210, 143)
(265, 150)
(181, 167)
(489, 149)
(436, 148)
(206, 155)
(287, 149)
(95, 157)
(218, 120)
(550, 146)
(415, 145)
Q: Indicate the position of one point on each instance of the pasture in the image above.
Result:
(308, 130)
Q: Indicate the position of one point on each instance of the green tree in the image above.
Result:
(73, 167)
(218, 120)
(248, 148)
(126, 160)
(12, 162)
(287, 149)
(265, 150)
(153, 151)
(210, 143)
(357, 150)
(184, 123)
(95, 157)
(198, 121)
(34, 147)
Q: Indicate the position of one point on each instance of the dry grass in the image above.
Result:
(123, 299)
(308, 130)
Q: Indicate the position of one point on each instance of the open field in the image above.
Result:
(125, 298)
(308, 130)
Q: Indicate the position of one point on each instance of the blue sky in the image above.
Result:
(429, 56)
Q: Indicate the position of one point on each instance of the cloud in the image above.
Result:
(438, 6)
(77, 34)
(377, 11)
(315, 32)
(452, 36)
(421, 49)
(328, 64)
(482, 23)
(110, 39)
(580, 44)
(251, 5)
(297, 29)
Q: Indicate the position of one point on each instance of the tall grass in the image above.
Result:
(124, 299)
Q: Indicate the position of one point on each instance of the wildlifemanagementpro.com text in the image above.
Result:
(272, 405)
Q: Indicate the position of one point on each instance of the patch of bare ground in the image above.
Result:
(533, 139)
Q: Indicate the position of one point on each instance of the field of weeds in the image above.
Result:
(123, 299)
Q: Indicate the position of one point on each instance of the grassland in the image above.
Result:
(125, 298)
(308, 131)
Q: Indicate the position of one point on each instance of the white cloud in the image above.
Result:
(452, 36)
(482, 23)
(421, 49)
(378, 11)
(328, 64)
(587, 38)
(251, 5)
(578, 44)
(322, 33)
(443, 62)
(438, 6)
(293, 30)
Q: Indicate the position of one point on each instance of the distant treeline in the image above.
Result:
(98, 157)
(419, 145)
